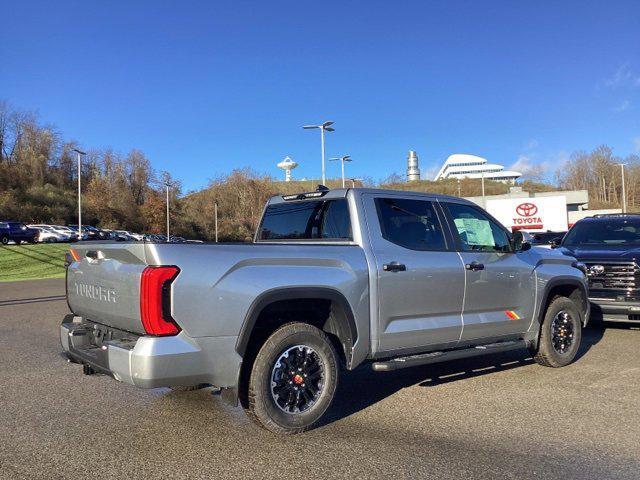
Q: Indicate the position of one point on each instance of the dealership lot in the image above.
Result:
(495, 417)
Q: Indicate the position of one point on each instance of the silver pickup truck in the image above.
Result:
(334, 279)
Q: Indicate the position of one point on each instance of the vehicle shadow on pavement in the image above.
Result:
(23, 301)
(363, 388)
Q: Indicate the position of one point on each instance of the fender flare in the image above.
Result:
(348, 336)
(565, 281)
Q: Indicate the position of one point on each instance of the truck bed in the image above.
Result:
(103, 283)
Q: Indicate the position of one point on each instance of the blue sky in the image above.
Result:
(205, 87)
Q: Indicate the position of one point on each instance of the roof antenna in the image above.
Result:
(322, 188)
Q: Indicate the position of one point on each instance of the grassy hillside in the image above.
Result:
(28, 262)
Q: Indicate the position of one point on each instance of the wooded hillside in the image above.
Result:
(38, 182)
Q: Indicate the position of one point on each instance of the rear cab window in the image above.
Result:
(327, 220)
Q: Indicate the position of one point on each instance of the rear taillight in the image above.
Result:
(155, 300)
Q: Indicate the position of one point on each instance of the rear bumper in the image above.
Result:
(614, 310)
(143, 361)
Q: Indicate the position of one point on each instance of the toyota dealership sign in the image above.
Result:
(532, 214)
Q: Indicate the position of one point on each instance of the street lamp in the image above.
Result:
(624, 194)
(215, 217)
(344, 158)
(166, 184)
(325, 126)
(353, 181)
(79, 153)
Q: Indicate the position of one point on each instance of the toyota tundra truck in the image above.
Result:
(334, 279)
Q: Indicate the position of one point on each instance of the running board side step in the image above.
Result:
(435, 357)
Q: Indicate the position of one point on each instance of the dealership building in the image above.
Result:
(518, 209)
(462, 165)
(577, 200)
(539, 211)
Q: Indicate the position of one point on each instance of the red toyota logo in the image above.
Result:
(526, 209)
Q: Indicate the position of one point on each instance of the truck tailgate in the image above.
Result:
(103, 284)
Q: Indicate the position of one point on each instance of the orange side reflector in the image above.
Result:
(74, 254)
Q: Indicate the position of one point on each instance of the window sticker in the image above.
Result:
(474, 231)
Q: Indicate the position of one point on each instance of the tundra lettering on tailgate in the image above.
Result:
(96, 292)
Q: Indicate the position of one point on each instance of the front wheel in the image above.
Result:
(560, 334)
(293, 379)
(4, 239)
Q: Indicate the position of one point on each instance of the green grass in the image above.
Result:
(29, 262)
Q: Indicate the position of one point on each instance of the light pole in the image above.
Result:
(79, 153)
(484, 202)
(624, 193)
(166, 184)
(344, 158)
(325, 126)
(353, 181)
(215, 217)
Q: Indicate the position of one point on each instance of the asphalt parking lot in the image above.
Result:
(496, 417)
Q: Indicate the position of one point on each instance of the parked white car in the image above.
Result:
(134, 236)
(48, 234)
(73, 236)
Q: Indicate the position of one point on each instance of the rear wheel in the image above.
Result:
(293, 379)
(560, 334)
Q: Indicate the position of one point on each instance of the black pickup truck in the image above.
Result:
(609, 246)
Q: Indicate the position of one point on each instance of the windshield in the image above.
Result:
(610, 232)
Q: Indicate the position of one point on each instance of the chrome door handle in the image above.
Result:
(474, 266)
(394, 267)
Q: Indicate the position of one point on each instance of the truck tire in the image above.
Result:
(293, 379)
(560, 334)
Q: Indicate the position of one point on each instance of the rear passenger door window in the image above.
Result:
(412, 224)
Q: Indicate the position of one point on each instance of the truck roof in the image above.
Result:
(342, 193)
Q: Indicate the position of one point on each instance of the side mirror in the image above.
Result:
(555, 243)
(519, 243)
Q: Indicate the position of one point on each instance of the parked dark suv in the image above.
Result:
(17, 232)
(609, 245)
